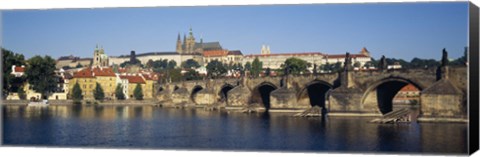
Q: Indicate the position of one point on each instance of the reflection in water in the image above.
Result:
(154, 127)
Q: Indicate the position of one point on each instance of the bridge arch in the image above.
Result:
(261, 94)
(175, 88)
(223, 92)
(195, 90)
(382, 92)
(160, 89)
(316, 92)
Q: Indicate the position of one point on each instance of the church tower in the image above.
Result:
(265, 50)
(190, 42)
(179, 44)
(99, 57)
(365, 52)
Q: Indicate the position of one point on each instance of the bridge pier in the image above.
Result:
(284, 98)
(442, 100)
(205, 97)
(238, 97)
(345, 100)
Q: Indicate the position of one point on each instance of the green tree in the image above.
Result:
(78, 65)
(267, 72)
(462, 60)
(337, 67)
(9, 59)
(98, 93)
(119, 92)
(357, 64)
(257, 67)
(192, 75)
(190, 64)
(137, 92)
(40, 73)
(77, 93)
(149, 63)
(296, 65)
(248, 66)
(137, 62)
(216, 69)
(115, 68)
(171, 64)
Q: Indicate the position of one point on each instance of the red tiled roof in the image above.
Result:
(84, 73)
(122, 70)
(213, 53)
(235, 52)
(133, 79)
(343, 56)
(19, 69)
(103, 72)
(409, 88)
(286, 54)
(92, 72)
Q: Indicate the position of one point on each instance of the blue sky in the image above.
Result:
(397, 30)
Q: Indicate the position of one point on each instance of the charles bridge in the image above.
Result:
(442, 96)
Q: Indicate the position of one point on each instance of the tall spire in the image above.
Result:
(184, 39)
(365, 51)
(179, 44)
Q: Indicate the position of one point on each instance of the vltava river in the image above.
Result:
(166, 128)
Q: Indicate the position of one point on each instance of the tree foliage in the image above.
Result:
(190, 64)
(79, 65)
(119, 92)
(257, 67)
(248, 66)
(192, 75)
(98, 93)
(76, 92)
(296, 65)
(267, 72)
(162, 65)
(126, 63)
(9, 59)
(216, 69)
(137, 92)
(171, 64)
(357, 64)
(40, 73)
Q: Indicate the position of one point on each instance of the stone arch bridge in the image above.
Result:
(443, 92)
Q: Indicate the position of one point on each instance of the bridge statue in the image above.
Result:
(286, 72)
(347, 65)
(315, 70)
(382, 65)
(444, 57)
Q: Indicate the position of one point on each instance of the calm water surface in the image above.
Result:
(155, 127)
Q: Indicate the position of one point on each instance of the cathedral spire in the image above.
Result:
(179, 44)
(184, 39)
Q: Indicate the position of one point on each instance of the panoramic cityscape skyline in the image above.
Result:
(403, 31)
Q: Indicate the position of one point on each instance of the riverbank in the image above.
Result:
(85, 102)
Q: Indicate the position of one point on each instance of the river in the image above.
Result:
(169, 128)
